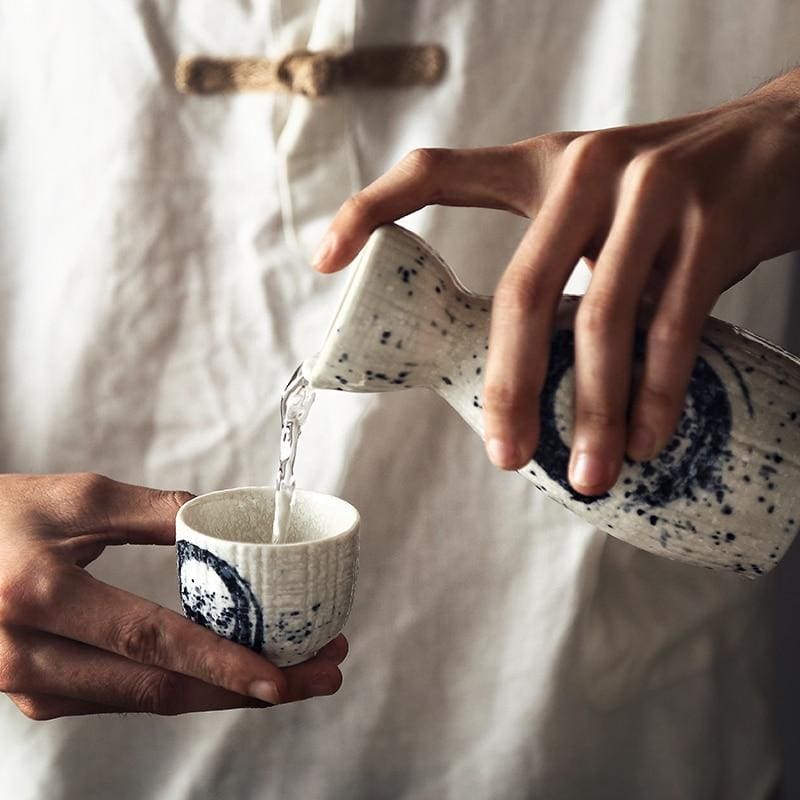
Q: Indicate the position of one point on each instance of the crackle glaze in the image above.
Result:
(283, 600)
(724, 492)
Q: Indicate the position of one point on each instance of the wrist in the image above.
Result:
(774, 157)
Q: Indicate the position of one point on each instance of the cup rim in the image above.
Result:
(201, 499)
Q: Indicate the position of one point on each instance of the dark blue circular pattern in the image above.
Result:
(692, 460)
(236, 615)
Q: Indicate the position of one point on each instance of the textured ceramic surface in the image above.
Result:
(724, 492)
(285, 600)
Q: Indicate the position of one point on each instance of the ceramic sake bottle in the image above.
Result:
(725, 492)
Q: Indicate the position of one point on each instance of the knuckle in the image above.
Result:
(87, 488)
(45, 589)
(11, 599)
(650, 170)
(596, 319)
(14, 666)
(551, 143)
(662, 173)
(141, 639)
(658, 399)
(502, 400)
(34, 707)
(72, 501)
(424, 166)
(358, 206)
(703, 217)
(156, 692)
(180, 497)
(590, 153)
(520, 292)
(598, 418)
(670, 334)
(77, 500)
(39, 590)
(424, 162)
(167, 501)
(216, 665)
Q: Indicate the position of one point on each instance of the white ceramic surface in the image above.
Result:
(285, 600)
(723, 494)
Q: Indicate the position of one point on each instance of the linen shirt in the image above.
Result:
(155, 297)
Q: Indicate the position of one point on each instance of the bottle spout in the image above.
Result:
(319, 377)
(307, 368)
(307, 371)
(403, 320)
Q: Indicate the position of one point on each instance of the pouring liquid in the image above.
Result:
(296, 402)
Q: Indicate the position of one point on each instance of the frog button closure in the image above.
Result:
(313, 74)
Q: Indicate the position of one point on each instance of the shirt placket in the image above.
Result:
(316, 160)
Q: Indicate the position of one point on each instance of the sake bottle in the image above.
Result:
(724, 493)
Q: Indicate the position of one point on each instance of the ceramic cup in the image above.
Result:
(284, 600)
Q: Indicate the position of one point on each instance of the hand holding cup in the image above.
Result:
(71, 644)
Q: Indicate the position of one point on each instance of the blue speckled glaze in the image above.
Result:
(722, 494)
(693, 461)
(233, 611)
(229, 607)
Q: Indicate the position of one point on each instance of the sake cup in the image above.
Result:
(283, 600)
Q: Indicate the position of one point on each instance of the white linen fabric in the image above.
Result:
(155, 296)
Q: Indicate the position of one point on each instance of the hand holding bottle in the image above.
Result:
(669, 215)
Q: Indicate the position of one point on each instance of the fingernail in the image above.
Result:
(322, 683)
(588, 471)
(324, 249)
(642, 443)
(264, 690)
(501, 454)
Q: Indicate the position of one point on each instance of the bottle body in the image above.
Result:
(721, 494)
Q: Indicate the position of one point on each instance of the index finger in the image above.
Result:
(112, 619)
(490, 177)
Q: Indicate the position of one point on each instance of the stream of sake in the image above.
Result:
(296, 402)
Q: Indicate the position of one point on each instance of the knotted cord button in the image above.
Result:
(313, 73)
(308, 73)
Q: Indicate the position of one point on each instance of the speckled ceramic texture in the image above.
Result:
(284, 600)
(723, 494)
